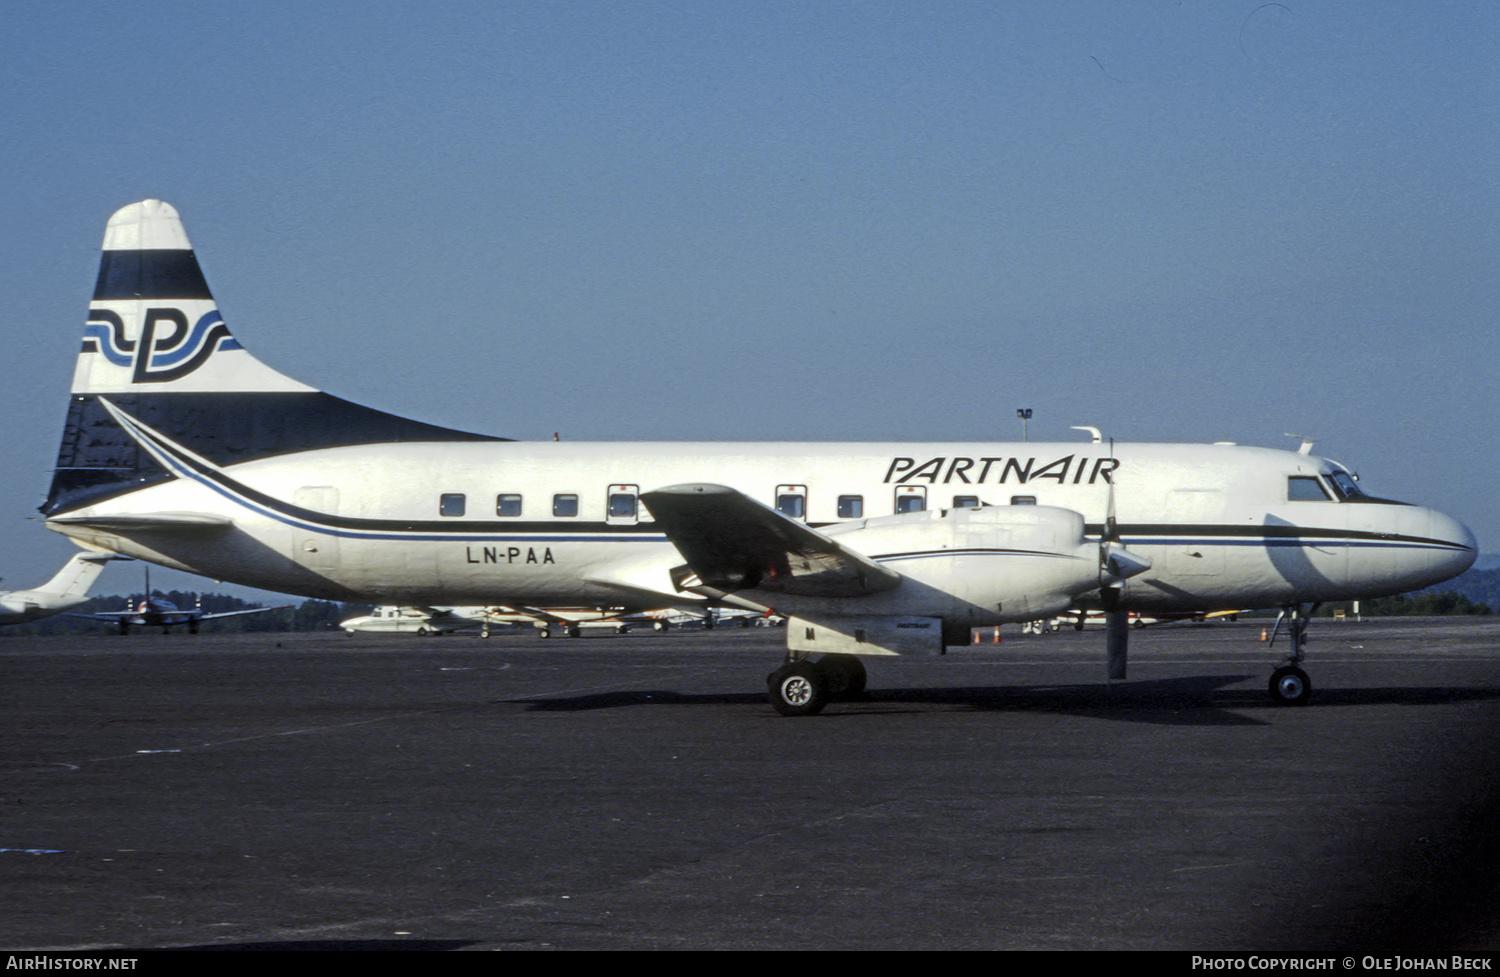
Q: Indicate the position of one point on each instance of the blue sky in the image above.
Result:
(1177, 221)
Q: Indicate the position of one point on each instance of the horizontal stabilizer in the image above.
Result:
(171, 522)
(731, 542)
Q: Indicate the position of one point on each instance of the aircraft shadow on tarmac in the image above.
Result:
(1194, 701)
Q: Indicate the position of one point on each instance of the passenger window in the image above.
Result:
(1023, 500)
(966, 502)
(851, 506)
(792, 505)
(623, 505)
(451, 504)
(507, 505)
(1301, 488)
(910, 503)
(565, 505)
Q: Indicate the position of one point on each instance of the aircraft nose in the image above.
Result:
(1461, 549)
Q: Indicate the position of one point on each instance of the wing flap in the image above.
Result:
(731, 542)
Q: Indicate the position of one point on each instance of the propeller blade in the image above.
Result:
(1117, 642)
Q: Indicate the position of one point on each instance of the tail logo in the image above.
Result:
(167, 350)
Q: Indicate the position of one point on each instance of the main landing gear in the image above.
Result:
(802, 687)
(1289, 685)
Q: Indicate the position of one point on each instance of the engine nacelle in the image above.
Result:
(966, 568)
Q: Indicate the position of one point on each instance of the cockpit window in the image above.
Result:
(1304, 488)
(1345, 486)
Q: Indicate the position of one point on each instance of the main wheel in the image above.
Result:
(844, 674)
(1290, 686)
(798, 689)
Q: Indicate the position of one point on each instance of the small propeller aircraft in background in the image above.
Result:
(157, 612)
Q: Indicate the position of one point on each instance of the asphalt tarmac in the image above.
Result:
(637, 792)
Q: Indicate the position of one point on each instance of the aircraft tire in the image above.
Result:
(798, 689)
(1290, 686)
(844, 674)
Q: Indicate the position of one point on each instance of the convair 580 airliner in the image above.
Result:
(184, 450)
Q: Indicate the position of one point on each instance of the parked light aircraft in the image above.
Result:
(393, 619)
(1078, 621)
(69, 588)
(182, 449)
(396, 619)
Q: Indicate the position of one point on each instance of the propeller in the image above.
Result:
(1116, 565)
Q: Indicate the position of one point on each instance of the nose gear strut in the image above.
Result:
(1289, 685)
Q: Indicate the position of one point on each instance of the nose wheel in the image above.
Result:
(1290, 686)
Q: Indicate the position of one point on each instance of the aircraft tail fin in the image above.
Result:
(153, 326)
(156, 348)
(73, 581)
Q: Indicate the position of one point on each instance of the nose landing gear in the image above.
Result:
(1289, 685)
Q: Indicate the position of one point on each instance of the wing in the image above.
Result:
(732, 542)
(248, 610)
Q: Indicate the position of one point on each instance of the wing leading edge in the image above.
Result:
(732, 542)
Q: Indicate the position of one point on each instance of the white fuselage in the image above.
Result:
(557, 524)
(22, 606)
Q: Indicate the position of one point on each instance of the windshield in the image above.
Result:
(1345, 485)
(1348, 489)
